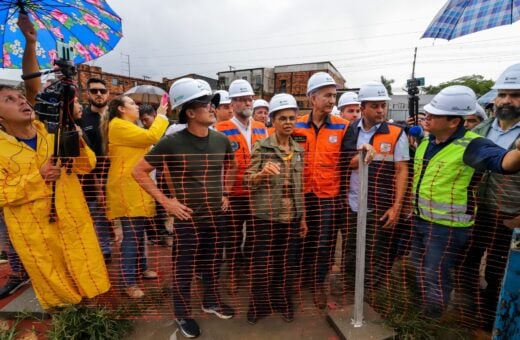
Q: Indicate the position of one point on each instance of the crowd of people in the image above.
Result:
(264, 188)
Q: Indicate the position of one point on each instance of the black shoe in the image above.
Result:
(3, 257)
(189, 328)
(252, 318)
(223, 311)
(288, 316)
(12, 285)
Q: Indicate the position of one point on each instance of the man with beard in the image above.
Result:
(93, 183)
(243, 132)
(497, 200)
(447, 168)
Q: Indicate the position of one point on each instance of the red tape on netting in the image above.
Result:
(252, 256)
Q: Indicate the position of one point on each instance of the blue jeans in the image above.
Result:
(133, 257)
(435, 252)
(319, 244)
(14, 261)
(101, 224)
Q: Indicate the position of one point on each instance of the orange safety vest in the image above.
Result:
(270, 131)
(382, 169)
(322, 153)
(239, 145)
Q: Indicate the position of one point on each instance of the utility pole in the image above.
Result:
(127, 62)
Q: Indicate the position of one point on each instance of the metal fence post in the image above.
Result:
(357, 320)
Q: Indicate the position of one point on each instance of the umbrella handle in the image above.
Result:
(21, 6)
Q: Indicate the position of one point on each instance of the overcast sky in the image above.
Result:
(363, 39)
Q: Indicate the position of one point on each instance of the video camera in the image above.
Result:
(55, 104)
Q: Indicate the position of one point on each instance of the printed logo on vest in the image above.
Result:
(333, 139)
(300, 139)
(235, 146)
(385, 147)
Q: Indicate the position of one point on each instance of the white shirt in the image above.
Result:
(246, 131)
(401, 153)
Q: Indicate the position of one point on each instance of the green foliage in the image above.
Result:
(388, 84)
(398, 303)
(476, 82)
(9, 332)
(82, 323)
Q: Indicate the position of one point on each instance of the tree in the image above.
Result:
(388, 84)
(475, 82)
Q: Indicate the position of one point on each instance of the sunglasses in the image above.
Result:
(96, 91)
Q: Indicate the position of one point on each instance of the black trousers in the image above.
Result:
(274, 266)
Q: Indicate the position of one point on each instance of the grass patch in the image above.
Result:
(398, 304)
(82, 323)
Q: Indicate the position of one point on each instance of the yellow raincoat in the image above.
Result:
(127, 144)
(63, 258)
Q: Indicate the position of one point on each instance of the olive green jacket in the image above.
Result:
(266, 196)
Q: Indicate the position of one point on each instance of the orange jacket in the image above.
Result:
(239, 145)
(322, 151)
(270, 131)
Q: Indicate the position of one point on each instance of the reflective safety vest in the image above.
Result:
(442, 189)
(240, 148)
(322, 151)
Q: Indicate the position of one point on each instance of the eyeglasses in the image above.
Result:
(430, 116)
(96, 91)
(285, 119)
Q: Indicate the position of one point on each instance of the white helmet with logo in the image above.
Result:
(282, 101)
(509, 79)
(224, 97)
(260, 103)
(456, 100)
(348, 98)
(185, 90)
(319, 80)
(240, 88)
(373, 91)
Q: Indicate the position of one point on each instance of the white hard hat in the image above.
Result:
(509, 79)
(185, 90)
(373, 91)
(348, 98)
(319, 80)
(240, 88)
(224, 97)
(280, 102)
(456, 100)
(204, 83)
(481, 112)
(260, 103)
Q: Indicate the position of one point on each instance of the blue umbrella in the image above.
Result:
(90, 26)
(461, 17)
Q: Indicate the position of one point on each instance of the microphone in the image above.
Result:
(416, 131)
(37, 74)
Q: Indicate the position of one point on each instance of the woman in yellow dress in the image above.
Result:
(126, 201)
(62, 258)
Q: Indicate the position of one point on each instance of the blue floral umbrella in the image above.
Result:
(461, 17)
(90, 26)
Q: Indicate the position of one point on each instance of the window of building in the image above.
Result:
(283, 86)
(115, 81)
(258, 80)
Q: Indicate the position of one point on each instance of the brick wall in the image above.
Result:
(117, 84)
